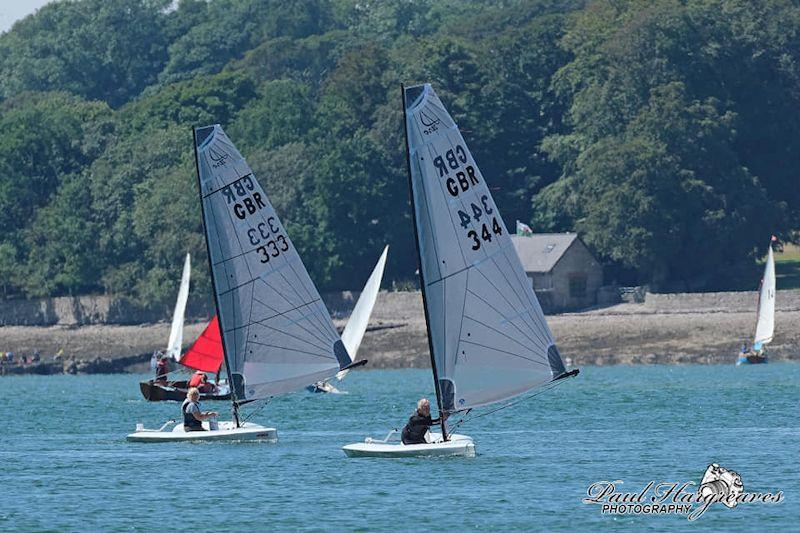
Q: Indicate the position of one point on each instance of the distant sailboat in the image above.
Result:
(277, 335)
(203, 356)
(176, 331)
(487, 335)
(765, 318)
(357, 323)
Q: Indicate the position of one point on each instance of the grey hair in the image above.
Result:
(423, 402)
(193, 393)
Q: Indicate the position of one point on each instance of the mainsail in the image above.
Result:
(276, 331)
(206, 352)
(359, 319)
(176, 332)
(487, 333)
(765, 325)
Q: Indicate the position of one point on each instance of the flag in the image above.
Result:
(524, 230)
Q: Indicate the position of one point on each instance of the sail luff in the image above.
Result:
(418, 245)
(211, 274)
(765, 318)
(176, 330)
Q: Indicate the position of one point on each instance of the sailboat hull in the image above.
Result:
(227, 431)
(751, 360)
(160, 391)
(456, 446)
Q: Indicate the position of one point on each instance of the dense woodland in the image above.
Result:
(665, 132)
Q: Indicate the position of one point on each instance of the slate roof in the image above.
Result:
(541, 251)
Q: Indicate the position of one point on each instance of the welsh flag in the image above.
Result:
(524, 230)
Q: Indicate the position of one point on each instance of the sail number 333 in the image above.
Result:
(273, 242)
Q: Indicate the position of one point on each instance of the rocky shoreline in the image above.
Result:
(665, 329)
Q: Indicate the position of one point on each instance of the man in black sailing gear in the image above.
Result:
(419, 423)
(192, 415)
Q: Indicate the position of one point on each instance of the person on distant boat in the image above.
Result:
(162, 368)
(419, 423)
(200, 380)
(192, 415)
(745, 349)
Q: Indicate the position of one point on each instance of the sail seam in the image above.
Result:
(538, 340)
(322, 340)
(284, 332)
(527, 324)
(465, 341)
(322, 356)
(273, 316)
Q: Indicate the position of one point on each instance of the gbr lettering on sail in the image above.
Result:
(460, 177)
(244, 202)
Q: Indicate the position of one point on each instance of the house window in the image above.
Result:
(577, 285)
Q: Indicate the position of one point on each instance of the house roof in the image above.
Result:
(541, 251)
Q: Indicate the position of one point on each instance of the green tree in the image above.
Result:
(100, 49)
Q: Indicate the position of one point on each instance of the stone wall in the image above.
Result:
(786, 300)
(390, 307)
(86, 310)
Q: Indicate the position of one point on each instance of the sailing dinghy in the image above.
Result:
(765, 319)
(204, 355)
(488, 339)
(357, 324)
(277, 334)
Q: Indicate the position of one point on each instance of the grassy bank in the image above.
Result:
(787, 267)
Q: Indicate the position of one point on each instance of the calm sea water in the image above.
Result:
(66, 464)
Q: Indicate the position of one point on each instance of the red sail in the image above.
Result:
(206, 352)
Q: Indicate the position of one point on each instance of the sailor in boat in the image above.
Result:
(162, 367)
(419, 423)
(200, 381)
(193, 416)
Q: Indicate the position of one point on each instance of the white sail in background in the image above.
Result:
(359, 319)
(276, 331)
(489, 337)
(176, 332)
(765, 327)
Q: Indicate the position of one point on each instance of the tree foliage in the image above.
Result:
(662, 131)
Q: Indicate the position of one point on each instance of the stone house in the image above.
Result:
(564, 273)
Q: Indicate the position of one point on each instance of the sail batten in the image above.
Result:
(488, 336)
(276, 330)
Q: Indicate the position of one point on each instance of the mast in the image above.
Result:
(419, 265)
(234, 402)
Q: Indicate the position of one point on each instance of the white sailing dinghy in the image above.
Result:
(277, 334)
(765, 320)
(487, 336)
(176, 330)
(357, 324)
(178, 317)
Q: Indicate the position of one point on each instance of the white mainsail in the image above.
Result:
(277, 333)
(359, 319)
(488, 334)
(765, 326)
(176, 331)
